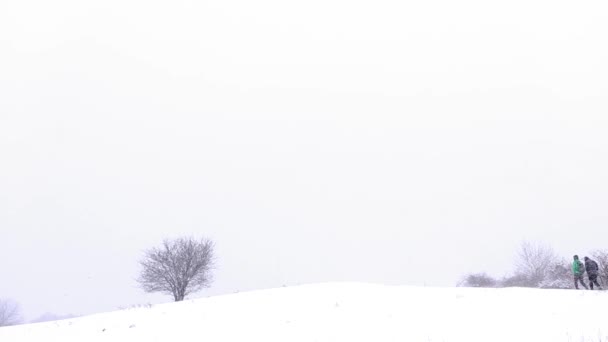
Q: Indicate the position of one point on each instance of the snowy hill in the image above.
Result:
(346, 312)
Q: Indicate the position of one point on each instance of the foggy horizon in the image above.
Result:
(392, 142)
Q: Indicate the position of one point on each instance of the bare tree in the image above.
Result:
(478, 280)
(178, 268)
(534, 261)
(516, 280)
(10, 314)
(558, 276)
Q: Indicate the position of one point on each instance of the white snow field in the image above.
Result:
(347, 312)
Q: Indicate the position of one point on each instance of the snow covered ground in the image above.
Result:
(347, 312)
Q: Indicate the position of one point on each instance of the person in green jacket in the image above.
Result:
(578, 269)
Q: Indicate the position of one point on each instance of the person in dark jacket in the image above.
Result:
(592, 271)
(578, 269)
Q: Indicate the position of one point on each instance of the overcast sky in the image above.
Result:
(397, 142)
